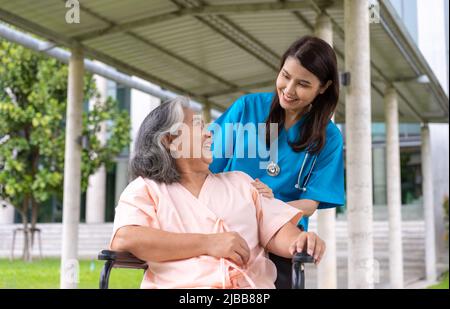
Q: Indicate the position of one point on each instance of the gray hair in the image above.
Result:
(151, 159)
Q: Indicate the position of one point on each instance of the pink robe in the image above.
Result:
(226, 202)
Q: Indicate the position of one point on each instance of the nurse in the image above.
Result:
(285, 139)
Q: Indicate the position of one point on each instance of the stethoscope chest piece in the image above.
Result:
(298, 187)
(273, 169)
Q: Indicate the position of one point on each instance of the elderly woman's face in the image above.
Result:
(193, 140)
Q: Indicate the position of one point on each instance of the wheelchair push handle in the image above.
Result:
(298, 269)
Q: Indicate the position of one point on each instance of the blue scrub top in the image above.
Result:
(231, 152)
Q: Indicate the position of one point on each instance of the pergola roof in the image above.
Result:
(216, 50)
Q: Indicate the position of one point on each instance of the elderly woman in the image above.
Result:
(196, 229)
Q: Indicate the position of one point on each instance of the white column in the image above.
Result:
(427, 188)
(206, 111)
(72, 172)
(439, 136)
(96, 191)
(358, 145)
(394, 191)
(6, 213)
(326, 218)
(323, 28)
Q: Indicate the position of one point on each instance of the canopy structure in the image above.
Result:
(214, 51)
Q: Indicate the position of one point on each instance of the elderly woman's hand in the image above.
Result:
(229, 245)
(262, 188)
(309, 242)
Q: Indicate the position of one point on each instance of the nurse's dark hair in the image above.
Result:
(319, 58)
(151, 158)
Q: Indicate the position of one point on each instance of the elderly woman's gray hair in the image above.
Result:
(151, 159)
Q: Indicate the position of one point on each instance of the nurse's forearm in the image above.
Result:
(307, 206)
(151, 244)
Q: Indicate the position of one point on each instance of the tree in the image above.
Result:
(33, 97)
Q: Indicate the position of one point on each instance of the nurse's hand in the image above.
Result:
(309, 242)
(262, 188)
(229, 245)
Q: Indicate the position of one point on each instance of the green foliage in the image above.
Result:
(33, 97)
(96, 154)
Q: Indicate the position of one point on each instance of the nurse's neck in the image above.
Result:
(292, 116)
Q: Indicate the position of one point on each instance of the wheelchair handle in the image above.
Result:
(298, 269)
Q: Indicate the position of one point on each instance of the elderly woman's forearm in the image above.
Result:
(151, 244)
(280, 242)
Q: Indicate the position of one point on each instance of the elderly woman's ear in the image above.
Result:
(171, 145)
(167, 141)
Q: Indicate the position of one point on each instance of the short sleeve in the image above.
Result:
(136, 206)
(272, 214)
(326, 184)
(223, 136)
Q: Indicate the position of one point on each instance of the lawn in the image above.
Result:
(44, 274)
(443, 284)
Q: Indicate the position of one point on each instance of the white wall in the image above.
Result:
(433, 45)
(141, 105)
(6, 213)
(432, 37)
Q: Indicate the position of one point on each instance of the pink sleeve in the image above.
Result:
(272, 214)
(136, 206)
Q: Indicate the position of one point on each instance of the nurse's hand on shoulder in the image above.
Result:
(262, 188)
(229, 245)
(309, 242)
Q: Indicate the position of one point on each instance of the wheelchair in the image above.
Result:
(115, 259)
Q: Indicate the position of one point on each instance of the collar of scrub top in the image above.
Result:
(297, 185)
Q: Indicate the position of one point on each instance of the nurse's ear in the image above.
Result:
(324, 88)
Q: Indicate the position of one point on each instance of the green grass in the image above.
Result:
(443, 284)
(44, 274)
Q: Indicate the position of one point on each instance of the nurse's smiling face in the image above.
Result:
(296, 87)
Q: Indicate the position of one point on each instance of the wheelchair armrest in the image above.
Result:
(122, 259)
(115, 259)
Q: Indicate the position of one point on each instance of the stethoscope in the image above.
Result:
(273, 169)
